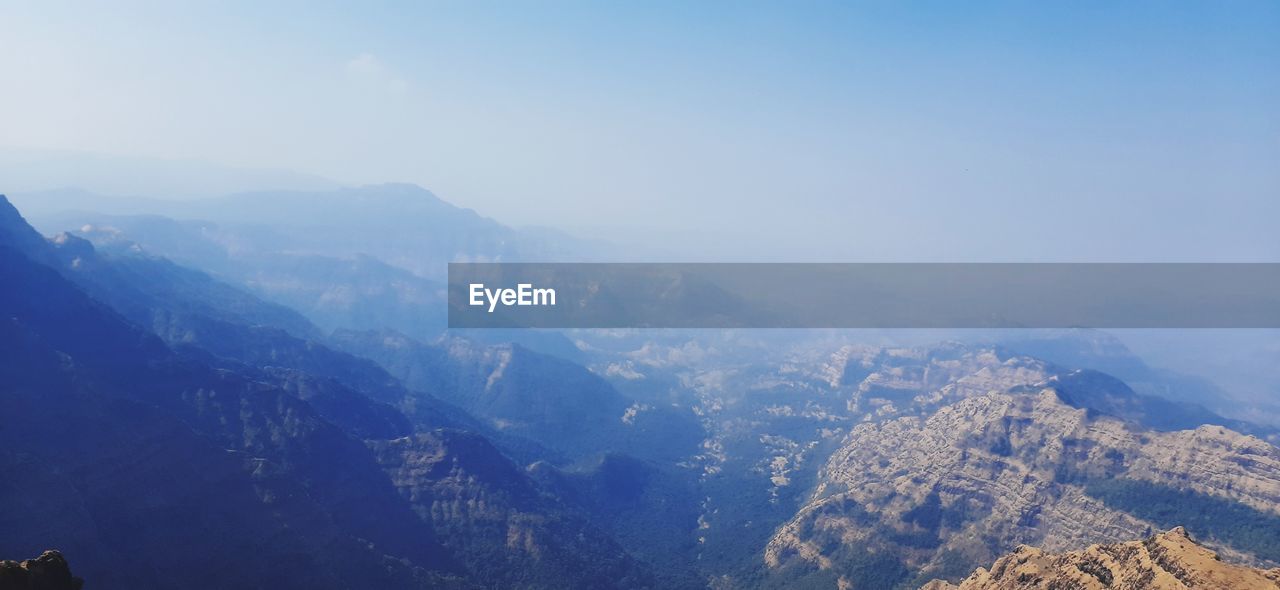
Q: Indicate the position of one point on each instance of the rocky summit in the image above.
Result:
(47, 572)
(1167, 561)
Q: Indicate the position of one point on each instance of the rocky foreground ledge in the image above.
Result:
(1168, 561)
(47, 572)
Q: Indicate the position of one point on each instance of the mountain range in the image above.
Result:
(206, 449)
(256, 380)
(402, 225)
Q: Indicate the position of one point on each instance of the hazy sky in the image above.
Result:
(1107, 130)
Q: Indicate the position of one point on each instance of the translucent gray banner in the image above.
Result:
(994, 295)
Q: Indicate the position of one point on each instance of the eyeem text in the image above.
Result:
(523, 294)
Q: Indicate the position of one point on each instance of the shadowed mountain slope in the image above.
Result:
(126, 449)
(180, 463)
(556, 403)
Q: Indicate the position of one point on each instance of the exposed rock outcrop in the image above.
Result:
(977, 478)
(1168, 561)
(47, 572)
(496, 519)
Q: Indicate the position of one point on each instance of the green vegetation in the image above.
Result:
(867, 568)
(1235, 524)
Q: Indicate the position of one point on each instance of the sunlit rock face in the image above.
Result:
(1167, 561)
(979, 477)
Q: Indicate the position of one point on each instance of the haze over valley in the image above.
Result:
(585, 458)
(225, 353)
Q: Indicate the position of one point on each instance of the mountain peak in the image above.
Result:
(72, 245)
(9, 216)
(1167, 561)
(405, 188)
(17, 234)
(47, 572)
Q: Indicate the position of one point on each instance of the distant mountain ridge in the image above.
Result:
(1103, 352)
(363, 258)
(401, 224)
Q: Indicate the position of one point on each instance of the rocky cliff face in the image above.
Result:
(1168, 561)
(494, 517)
(774, 421)
(124, 449)
(983, 475)
(183, 461)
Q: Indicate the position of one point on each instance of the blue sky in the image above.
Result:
(877, 130)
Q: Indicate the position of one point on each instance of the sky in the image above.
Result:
(798, 130)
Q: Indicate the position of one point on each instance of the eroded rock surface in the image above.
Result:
(1168, 561)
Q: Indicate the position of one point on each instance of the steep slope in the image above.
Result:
(349, 291)
(494, 516)
(554, 402)
(139, 284)
(945, 492)
(1100, 351)
(1167, 561)
(124, 449)
(649, 508)
(1106, 394)
(231, 329)
(775, 411)
(19, 237)
(128, 449)
(353, 291)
